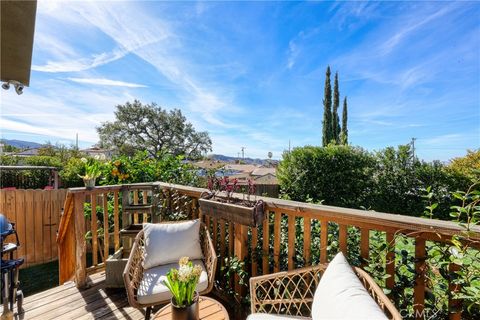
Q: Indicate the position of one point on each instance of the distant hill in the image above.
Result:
(221, 157)
(21, 144)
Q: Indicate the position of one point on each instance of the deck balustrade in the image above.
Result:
(268, 248)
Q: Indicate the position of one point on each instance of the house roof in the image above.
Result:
(241, 167)
(264, 171)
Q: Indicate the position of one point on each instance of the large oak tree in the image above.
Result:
(149, 127)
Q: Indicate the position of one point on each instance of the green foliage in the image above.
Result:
(182, 282)
(339, 175)
(344, 130)
(71, 172)
(231, 268)
(327, 134)
(92, 168)
(456, 261)
(140, 127)
(400, 179)
(468, 165)
(335, 118)
(142, 168)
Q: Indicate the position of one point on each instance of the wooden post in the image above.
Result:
(266, 244)
(276, 240)
(81, 248)
(364, 245)
(323, 240)
(454, 305)
(291, 241)
(390, 263)
(342, 238)
(307, 227)
(419, 289)
(241, 250)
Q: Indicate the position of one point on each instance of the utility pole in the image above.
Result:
(243, 153)
(413, 148)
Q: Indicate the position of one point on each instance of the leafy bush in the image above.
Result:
(142, 168)
(338, 175)
(400, 181)
(71, 172)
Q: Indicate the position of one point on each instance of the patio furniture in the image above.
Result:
(210, 309)
(326, 291)
(157, 249)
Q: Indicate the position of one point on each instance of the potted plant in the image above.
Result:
(92, 172)
(220, 201)
(182, 283)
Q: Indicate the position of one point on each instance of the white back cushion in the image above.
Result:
(168, 242)
(341, 295)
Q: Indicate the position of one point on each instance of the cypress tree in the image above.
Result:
(344, 134)
(327, 110)
(335, 118)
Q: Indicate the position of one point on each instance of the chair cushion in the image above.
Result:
(341, 295)
(152, 290)
(167, 242)
(267, 316)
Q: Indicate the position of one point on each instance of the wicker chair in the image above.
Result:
(133, 273)
(291, 293)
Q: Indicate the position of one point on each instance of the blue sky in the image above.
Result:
(252, 73)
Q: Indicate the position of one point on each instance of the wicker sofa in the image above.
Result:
(286, 295)
(135, 276)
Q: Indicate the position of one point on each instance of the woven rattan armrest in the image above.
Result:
(291, 292)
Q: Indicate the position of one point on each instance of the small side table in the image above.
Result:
(210, 309)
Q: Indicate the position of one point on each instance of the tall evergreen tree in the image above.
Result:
(344, 133)
(327, 111)
(335, 118)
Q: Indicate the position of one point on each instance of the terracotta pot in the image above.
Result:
(190, 312)
(89, 183)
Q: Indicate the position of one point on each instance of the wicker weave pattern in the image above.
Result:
(291, 293)
(288, 293)
(133, 272)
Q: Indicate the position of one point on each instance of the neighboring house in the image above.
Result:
(98, 153)
(266, 179)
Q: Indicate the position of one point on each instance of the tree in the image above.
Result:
(148, 127)
(327, 111)
(335, 118)
(344, 130)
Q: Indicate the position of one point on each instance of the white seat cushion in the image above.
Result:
(341, 295)
(267, 316)
(152, 290)
(167, 242)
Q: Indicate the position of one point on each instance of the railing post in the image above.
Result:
(81, 248)
(454, 305)
(241, 251)
(419, 289)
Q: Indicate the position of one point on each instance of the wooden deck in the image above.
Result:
(68, 302)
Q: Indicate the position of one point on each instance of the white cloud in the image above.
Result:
(107, 82)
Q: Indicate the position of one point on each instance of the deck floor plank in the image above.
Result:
(68, 302)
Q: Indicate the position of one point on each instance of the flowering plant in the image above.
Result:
(92, 169)
(183, 281)
(229, 186)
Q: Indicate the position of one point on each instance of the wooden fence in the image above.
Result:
(287, 235)
(36, 214)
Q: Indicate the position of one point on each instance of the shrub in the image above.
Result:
(338, 175)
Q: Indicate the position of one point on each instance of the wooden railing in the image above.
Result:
(263, 248)
(36, 214)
